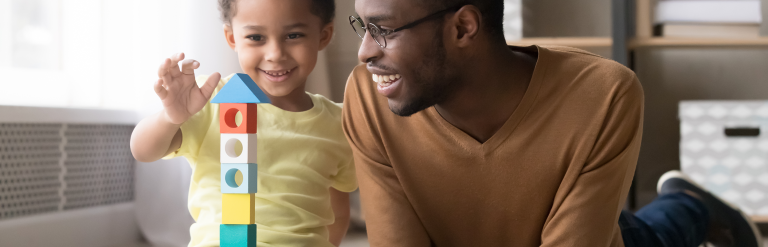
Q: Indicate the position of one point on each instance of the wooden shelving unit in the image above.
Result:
(643, 36)
(760, 219)
(579, 42)
(695, 42)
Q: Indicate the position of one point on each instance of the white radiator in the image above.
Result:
(66, 177)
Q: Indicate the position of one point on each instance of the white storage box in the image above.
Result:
(724, 147)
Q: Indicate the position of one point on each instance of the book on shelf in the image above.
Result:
(709, 11)
(708, 18)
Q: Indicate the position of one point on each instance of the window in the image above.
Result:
(101, 53)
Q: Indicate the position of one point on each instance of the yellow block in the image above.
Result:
(238, 208)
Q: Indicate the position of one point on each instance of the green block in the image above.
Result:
(237, 235)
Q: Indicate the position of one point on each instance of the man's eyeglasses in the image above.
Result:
(378, 34)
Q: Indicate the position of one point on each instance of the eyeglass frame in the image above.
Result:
(384, 32)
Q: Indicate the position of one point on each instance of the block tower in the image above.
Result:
(240, 94)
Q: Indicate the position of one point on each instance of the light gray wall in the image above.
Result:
(342, 51)
(670, 75)
(573, 18)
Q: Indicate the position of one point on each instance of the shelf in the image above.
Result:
(581, 42)
(696, 42)
(760, 219)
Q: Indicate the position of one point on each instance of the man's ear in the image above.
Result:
(229, 35)
(466, 25)
(325, 35)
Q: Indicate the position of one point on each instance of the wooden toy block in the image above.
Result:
(237, 235)
(250, 178)
(229, 143)
(241, 89)
(238, 208)
(228, 121)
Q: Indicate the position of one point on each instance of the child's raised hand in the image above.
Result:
(178, 90)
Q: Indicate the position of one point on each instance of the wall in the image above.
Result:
(342, 51)
(577, 18)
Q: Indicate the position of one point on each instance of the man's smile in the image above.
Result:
(387, 84)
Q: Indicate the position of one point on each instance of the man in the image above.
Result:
(491, 145)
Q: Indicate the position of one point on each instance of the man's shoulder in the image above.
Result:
(578, 60)
(587, 69)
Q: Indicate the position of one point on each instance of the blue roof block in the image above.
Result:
(241, 89)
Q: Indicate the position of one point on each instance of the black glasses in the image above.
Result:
(378, 34)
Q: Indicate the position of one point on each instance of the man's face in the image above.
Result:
(412, 71)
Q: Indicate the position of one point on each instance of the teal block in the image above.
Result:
(241, 89)
(237, 235)
(250, 175)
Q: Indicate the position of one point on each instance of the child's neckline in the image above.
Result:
(316, 109)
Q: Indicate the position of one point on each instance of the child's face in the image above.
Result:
(277, 42)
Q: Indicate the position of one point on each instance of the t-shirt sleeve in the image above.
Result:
(193, 131)
(389, 215)
(345, 180)
(605, 177)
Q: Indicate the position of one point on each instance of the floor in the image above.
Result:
(359, 239)
(355, 239)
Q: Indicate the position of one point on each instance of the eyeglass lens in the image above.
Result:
(357, 26)
(374, 31)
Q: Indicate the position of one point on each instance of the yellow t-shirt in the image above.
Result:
(300, 155)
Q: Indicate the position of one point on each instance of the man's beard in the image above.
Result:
(432, 86)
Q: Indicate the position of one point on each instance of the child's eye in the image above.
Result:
(295, 36)
(255, 37)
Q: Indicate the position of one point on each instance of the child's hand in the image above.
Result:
(178, 90)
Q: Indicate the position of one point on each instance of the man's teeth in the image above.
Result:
(385, 80)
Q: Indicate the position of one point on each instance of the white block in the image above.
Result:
(228, 144)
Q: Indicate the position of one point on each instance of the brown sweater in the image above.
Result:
(556, 174)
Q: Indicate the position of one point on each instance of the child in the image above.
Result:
(304, 161)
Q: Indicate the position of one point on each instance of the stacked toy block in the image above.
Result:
(238, 153)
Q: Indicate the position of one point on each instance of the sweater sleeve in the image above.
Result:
(389, 215)
(589, 213)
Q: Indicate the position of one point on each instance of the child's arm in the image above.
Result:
(159, 134)
(340, 204)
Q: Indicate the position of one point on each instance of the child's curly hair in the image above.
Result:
(325, 9)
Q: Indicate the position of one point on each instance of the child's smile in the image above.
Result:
(276, 75)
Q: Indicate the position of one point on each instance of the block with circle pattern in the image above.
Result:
(231, 151)
(249, 183)
(228, 118)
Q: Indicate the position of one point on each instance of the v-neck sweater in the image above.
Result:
(557, 173)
